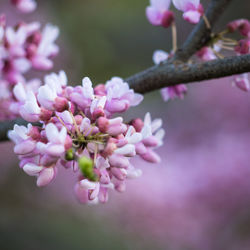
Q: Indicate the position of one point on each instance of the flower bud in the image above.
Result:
(243, 46)
(167, 19)
(61, 104)
(86, 166)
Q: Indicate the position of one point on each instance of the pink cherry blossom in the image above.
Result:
(119, 96)
(83, 137)
(192, 9)
(25, 6)
(158, 13)
(242, 82)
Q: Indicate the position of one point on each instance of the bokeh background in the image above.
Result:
(197, 198)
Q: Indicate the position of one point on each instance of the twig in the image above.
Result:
(166, 75)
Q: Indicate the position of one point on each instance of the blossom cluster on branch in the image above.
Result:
(79, 133)
(79, 128)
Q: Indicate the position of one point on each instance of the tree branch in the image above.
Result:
(170, 73)
(165, 75)
(200, 35)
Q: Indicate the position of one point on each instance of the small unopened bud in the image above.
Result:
(69, 156)
(61, 104)
(103, 124)
(45, 114)
(35, 133)
(100, 90)
(137, 124)
(243, 46)
(86, 166)
(168, 19)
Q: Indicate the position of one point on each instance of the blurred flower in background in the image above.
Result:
(198, 198)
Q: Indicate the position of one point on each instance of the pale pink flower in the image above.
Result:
(25, 6)
(24, 144)
(158, 13)
(97, 107)
(119, 96)
(192, 9)
(45, 175)
(173, 92)
(56, 140)
(41, 59)
(15, 40)
(160, 56)
(87, 191)
(49, 94)
(83, 95)
(30, 111)
(112, 126)
(242, 82)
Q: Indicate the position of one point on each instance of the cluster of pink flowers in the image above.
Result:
(158, 12)
(23, 47)
(78, 132)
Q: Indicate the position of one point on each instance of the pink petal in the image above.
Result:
(192, 16)
(45, 177)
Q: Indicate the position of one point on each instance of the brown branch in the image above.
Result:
(170, 73)
(165, 75)
(200, 35)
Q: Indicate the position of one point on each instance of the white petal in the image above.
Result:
(32, 169)
(126, 150)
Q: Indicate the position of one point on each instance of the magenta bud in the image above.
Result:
(100, 90)
(35, 133)
(119, 173)
(61, 104)
(31, 50)
(243, 46)
(118, 161)
(103, 124)
(45, 114)
(110, 148)
(140, 148)
(137, 124)
(245, 28)
(2, 20)
(98, 113)
(167, 19)
(78, 119)
(151, 156)
(103, 195)
(120, 186)
(68, 142)
(150, 141)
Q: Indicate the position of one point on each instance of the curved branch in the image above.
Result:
(169, 73)
(200, 35)
(165, 75)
